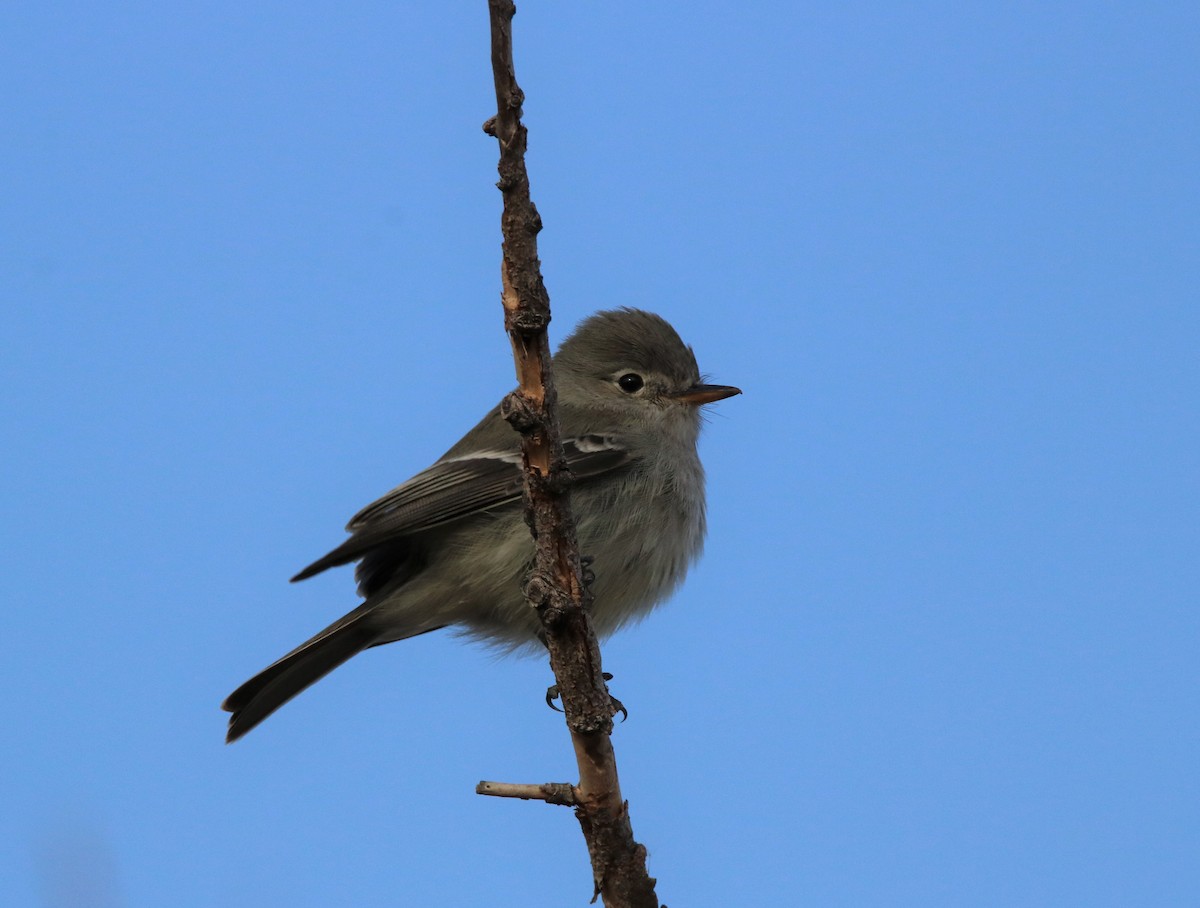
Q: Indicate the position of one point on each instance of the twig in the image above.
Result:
(556, 587)
(550, 792)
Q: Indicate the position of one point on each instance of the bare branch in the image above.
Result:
(556, 587)
(550, 792)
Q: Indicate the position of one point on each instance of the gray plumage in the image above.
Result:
(450, 547)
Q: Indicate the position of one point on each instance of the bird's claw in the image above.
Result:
(617, 705)
(553, 693)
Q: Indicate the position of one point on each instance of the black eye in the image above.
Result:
(630, 382)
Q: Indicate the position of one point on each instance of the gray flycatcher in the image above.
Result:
(450, 546)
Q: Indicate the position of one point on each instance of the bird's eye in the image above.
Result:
(630, 382)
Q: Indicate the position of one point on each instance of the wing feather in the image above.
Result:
(452, 489)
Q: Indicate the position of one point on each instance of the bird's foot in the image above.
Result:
(617, 705)
(553, 693)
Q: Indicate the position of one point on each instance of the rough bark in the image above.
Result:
(556, 588)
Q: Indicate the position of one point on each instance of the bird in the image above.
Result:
(450, 546)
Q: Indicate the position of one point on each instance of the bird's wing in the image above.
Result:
(454, 488)
(448, 490)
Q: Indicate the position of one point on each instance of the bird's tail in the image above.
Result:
(306, 664)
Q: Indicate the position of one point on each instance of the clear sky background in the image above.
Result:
(942, 648)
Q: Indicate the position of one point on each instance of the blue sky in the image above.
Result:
(942, 646)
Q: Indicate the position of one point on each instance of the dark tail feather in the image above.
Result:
(343, 554)
(350, 550)
(305, 665)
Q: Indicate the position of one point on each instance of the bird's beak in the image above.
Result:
(706, 394)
